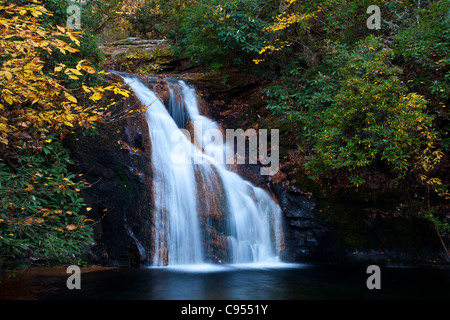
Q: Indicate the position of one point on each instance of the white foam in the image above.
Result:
(210, 268)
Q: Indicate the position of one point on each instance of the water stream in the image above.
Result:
(204, 212)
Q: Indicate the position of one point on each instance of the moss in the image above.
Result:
(143, 59)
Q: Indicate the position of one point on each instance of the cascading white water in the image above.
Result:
(191, 179)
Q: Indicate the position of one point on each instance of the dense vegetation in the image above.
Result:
(49, 87)
(367, 107)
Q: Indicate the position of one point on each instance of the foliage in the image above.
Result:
(96, 13)
(358, 114)
(216, 33)
(40, 205)
(87, 46)
(198, 40)
(362, 104)
(41, 212)
(158, 17)
(425, 46)
(423, 50)
(30, 98)
(372, 118)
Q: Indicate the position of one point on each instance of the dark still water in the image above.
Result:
(286, 282)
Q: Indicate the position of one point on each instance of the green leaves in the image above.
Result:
(217, 34)
(39, 199)
(355, 115)
(372, 117)
(424, 46)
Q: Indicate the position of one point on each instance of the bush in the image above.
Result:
(359, 117)
(216, 34)
(41, 210)
(424, 45)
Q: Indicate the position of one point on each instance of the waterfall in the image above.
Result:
(204, 212)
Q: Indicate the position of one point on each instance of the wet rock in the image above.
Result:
(304, 228)
(162, 89)
(115, 160)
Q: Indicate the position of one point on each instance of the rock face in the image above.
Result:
(304, 228)
(116, 161)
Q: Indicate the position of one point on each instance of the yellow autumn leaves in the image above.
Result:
(284, 21)
(75, 73)
(53, 215)
(39, 99)
(30, 94)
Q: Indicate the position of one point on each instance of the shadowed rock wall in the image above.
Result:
(116, 161)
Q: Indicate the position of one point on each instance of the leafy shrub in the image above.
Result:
(40, 208)
(358, 117)
(425, 45)
(216, 34)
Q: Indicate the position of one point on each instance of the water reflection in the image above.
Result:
(220, 282)
(236, 282)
